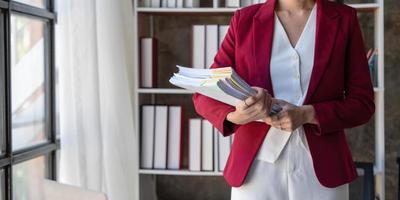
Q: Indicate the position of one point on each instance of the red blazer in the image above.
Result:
(340, 88)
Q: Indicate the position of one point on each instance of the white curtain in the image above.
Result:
(94, 49)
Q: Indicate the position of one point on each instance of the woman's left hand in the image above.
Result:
(291, 116)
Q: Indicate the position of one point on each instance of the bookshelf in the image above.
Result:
(148, 22)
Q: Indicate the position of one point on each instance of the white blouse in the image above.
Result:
(290, 74)
(288, 165)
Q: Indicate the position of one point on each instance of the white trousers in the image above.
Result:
(291, 177)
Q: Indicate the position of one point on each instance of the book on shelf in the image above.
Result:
(224, 148)
(215, 148)
(232, 3)
(211, 45)
(147, 137)
(162, 141)
(160, 137)
(175, 137)
(164, 3)
(198, 46)
(171, 3)
(195, 144)
(155, 3)
(191, 3)
(179, 3)
(372, 56)
(148, 62)
(244, 3)
(145, 3)
(222, 31)
(207, 147)
(206, 40)
(222, 84)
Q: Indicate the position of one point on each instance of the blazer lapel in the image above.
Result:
(263, 29)
(327, 26)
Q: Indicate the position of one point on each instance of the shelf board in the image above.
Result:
(365, 6)
(186, 10)
(163, 91)
(377, 172)
(183, 91)
(361, 7)
(184, 172)
(378, 89)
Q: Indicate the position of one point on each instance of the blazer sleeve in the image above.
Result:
(357, 107)
(213, 110)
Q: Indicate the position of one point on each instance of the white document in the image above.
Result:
(174, 137)
(160, 143)
(194, 144)
(147, 137)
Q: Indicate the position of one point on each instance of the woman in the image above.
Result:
(307, 56)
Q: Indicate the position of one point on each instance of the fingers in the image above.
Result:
(246, 103)
(255, 107)
(280, 121)
(252, 100)
(268, 120)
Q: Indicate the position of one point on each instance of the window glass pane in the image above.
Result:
(2, 120)
(27, 179)
(27, 81)
(2, 185)
(2, 117)
(2, 88)
(37, 3)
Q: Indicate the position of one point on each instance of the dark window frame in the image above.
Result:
(48, 149)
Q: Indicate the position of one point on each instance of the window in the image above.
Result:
(28, 141)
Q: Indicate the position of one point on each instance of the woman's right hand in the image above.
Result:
(252, 109)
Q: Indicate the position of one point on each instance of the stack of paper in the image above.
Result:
(222, 84)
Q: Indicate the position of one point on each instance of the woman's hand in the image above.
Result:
(253, 108)
(291, 116)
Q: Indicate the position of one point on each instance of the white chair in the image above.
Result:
(57, 191)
